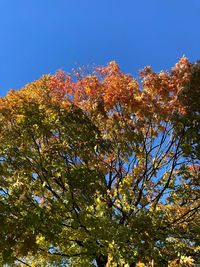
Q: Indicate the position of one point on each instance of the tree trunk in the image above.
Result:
(101, 260)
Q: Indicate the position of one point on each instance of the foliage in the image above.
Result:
(101, 168)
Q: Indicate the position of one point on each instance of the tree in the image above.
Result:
(189, 96)
(95, 169)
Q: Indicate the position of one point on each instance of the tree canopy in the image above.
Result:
(102, 169)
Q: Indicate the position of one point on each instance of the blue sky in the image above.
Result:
(41, 36)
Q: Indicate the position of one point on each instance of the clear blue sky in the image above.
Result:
(41, 36)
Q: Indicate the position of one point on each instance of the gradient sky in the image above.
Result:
(41, 36)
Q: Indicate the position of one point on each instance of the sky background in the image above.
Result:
(41, 36)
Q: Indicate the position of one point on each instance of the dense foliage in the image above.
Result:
(101, 169)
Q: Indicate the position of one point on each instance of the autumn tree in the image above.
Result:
(101, 169)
